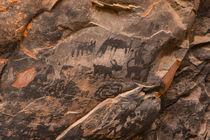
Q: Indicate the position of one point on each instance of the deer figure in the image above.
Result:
(107, 71)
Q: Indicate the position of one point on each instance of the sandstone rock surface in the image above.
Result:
(105, 69)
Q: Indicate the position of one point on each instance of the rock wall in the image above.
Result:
(105, 69)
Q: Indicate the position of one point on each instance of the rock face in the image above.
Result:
(105, 69)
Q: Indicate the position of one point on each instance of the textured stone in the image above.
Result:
(108, 114)
(186, 104)
(104, 69)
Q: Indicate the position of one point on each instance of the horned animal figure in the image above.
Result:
(114, 44)
(100, 69)
(115, 66)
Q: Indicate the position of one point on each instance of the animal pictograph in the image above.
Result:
(133, 70)
(115, 66)
(106, 71)
(113, 44)
(83, 46)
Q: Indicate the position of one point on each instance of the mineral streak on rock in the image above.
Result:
(149, 9)
(24, 78)
(26, 30)
(168, 78)
(29, 53)
(115, 6)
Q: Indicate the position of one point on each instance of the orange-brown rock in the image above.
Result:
(91, 69)
(24, 78)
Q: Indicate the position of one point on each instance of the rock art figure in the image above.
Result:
(104, 69)
(88, 47)
(113, 44)
(107, 71)
(133, 71)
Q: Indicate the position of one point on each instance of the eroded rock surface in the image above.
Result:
(104, 69)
